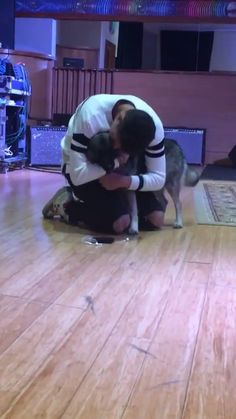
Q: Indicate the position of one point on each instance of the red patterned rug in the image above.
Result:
(215, 202)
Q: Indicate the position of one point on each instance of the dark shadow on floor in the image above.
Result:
(213, 172)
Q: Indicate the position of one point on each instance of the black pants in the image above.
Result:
(101, 208)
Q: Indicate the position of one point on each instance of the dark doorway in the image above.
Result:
(130, 44)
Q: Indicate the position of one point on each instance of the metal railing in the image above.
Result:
(72, 86)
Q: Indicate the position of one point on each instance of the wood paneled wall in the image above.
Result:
(195, 100)
(89, 55)
(192, 100)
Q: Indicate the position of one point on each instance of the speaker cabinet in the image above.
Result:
(192, 142)
(45, 145)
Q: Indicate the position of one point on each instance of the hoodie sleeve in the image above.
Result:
(75, 144)
(154, 178)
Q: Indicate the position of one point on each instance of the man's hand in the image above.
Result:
(114, 181)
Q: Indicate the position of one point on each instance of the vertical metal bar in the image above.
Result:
(54, 91)
(63, 91)
(101, 78)
(95, 82)
(84, 86)
(77, 87)
(71, 91)
(112, 81)
(106, 77)
(90, 81)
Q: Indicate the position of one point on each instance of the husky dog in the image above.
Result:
(178, 173)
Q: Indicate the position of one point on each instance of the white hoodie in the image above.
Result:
(95, 115)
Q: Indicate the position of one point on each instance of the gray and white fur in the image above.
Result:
(178, 173)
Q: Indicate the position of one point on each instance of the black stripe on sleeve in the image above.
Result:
(81, 138)
(78, 149)
(155, 155)
(141, 182)
(157, 146)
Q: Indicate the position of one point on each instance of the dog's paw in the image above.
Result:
(133, 231)
(133, 228)
(178, 225)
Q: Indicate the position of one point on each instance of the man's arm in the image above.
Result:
(152, 180)
(75, 145)
(81, 170)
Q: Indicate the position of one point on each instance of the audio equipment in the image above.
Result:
(191, 140)
(45, 145)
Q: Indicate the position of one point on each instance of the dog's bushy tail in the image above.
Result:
(191, 176)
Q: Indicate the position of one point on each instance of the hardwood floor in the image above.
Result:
(144, 329)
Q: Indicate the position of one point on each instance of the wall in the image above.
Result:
(224, 51)
(80, 35)
(223, 56)
(88, 55)
(192, 100)
(77, 34)
(110, 32)
(36, 35)
(46, 33)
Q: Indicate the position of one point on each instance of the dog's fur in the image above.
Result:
(178, 173)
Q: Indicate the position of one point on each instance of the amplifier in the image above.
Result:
(45, 145)
(192, 142)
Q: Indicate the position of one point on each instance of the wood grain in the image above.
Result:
(137, 329)
(211, 393)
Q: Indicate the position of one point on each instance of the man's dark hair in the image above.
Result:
(136, 131)
(118, 104)
(232, 156)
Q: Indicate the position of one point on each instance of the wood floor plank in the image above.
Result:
(19, 283)
(69, 365)
(73, 359)
(31, 238)
(224, 266)
(224, 257)
(40, 243)
(157, 251)
(106, 389)
(16, 316)
(20, 362)
(211, 393)
(203, 244)
(75, 279)
(112, 331)
(160, 391)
